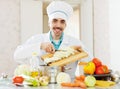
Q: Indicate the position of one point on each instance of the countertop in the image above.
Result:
(8, 85)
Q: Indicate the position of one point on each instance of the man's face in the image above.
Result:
(57, 26)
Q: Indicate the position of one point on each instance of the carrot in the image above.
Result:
(78, 78)
(75, 84)
(80, 83)
(66, 84)
(81, 77)
(75, 80)
(70, 84)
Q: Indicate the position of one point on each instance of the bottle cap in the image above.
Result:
(34, 54)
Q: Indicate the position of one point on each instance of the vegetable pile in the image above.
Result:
(23, 74)
(96, 67)
(78, 82)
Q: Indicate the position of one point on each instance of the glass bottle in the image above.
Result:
(34, 64)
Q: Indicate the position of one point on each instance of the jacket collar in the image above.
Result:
(65, 41)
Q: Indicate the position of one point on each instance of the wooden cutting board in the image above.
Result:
(77, 56)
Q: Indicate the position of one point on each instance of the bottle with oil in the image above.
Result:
(34, 63)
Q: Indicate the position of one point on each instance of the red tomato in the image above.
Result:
(103, 69)
(106, 70)
(18, 79)
(99, 70)
(97, 62)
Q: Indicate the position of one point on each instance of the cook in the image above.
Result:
(58, 12)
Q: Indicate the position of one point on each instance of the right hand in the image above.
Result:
(48, 47)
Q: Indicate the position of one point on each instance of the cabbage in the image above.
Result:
(90, 81)
(63, 77)
(32, 81)
(22, 70)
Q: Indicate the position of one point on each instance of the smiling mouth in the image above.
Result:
(58, 28)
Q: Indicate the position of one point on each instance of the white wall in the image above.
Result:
(114, 22)
(101, 31)
(9, 34)
(87, 24)
(31, 18)
(106, 34)
(73, 26)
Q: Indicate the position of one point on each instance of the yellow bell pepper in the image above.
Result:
(89, 68)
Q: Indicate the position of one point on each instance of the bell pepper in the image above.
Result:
(89, 68)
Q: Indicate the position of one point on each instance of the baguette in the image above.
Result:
(77, 55)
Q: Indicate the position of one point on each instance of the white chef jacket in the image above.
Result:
(24, 52)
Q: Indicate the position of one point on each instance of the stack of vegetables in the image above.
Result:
(81, 81)
(24, 75)
(96, 67)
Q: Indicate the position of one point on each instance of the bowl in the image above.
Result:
(101, 76)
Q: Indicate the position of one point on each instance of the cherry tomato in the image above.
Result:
(18, 79)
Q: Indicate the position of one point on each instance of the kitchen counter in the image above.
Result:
(50, 86)
(7, 84)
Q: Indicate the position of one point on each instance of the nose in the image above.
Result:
(58, 24)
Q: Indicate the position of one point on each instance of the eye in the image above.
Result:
(54, 20)
(63, 21)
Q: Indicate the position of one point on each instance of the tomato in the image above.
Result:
(97, 62)
(103, 69)
(106, 70)
(18, 79)
(99, 70)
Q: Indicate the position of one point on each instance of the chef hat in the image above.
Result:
(59, 9)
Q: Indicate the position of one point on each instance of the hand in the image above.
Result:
(48, 47)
